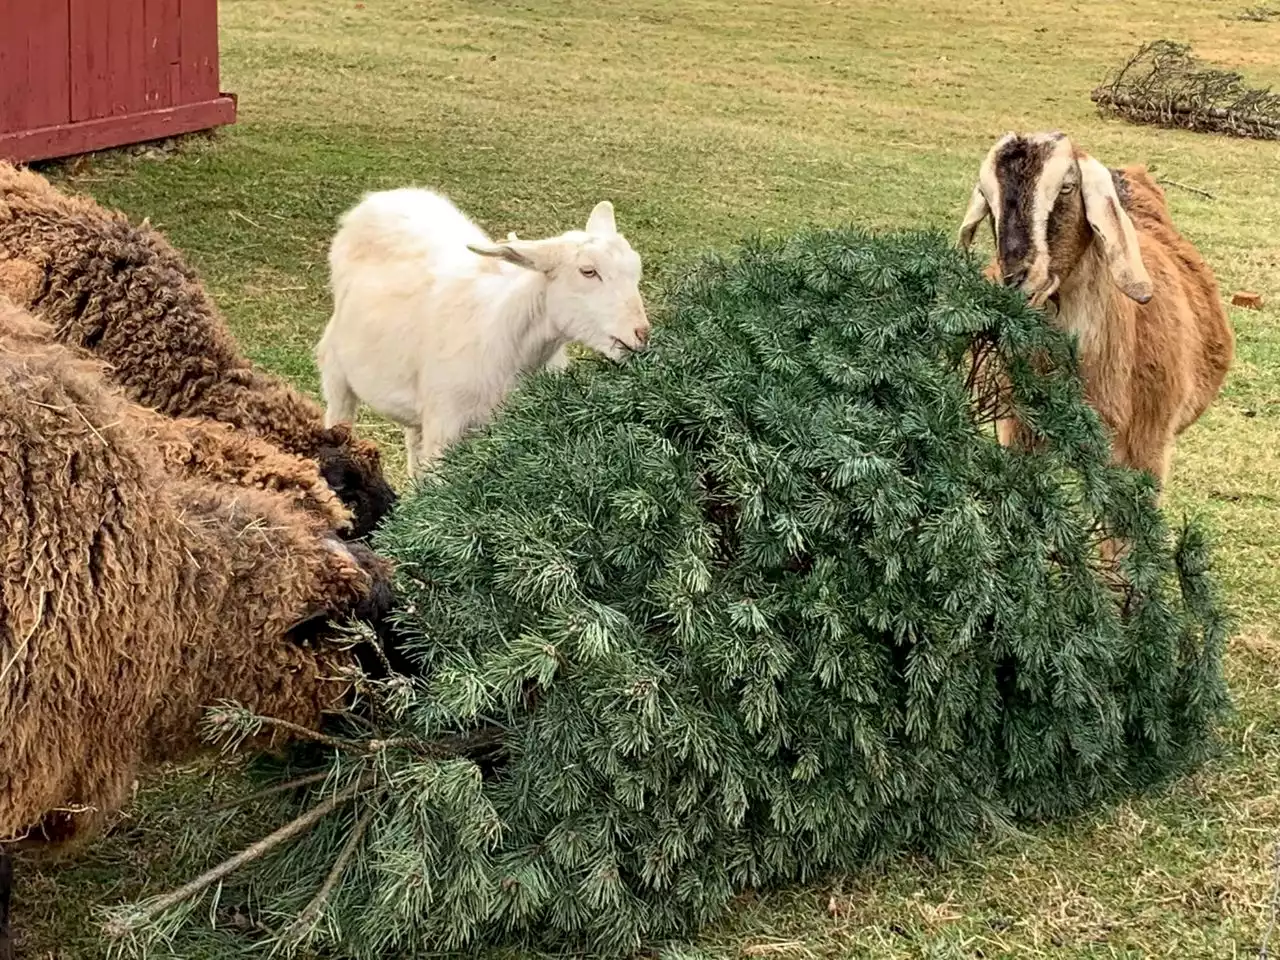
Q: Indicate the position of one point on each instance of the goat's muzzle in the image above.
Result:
(1015, 277)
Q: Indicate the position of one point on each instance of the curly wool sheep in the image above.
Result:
(133, 595)
(206, 448)
(218, 452)
(121, 292)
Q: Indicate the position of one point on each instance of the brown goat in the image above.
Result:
(133, 594)
(1154, 339)
(122, 293)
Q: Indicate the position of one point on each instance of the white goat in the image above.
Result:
(433, 323)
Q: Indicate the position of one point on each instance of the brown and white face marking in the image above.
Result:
(1050, 202)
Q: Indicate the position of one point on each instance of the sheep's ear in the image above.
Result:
(978, 211)
(530, 254)
(310, 629)
(1114, 230)
(601, 221)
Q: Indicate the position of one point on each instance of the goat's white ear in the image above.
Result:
(977, 212)
(530, 254)
(601, 220)
(1114, 230)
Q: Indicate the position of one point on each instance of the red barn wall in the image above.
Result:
(81, 75)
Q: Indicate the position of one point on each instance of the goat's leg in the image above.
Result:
(412, 448)
(991, 388)
(443, 422)
(1013, 433)
(1006, 431)
(1152, 452)
(431, 443)
(559, 360)
(340, 400)
(6, 895)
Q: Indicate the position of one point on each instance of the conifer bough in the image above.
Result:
(764, 603)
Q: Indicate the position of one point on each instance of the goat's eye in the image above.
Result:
(588, 272)
(1067, 188)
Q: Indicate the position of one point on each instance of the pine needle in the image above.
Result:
(294, 784)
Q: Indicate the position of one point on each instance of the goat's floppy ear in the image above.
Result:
(530, 254)
(1114, 230)
(977, 212)
(601, 221)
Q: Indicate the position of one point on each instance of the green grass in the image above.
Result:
(705, 121)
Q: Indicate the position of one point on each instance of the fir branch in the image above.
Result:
(1165, 85)
(1187, 187)
(123, 926)
(303, 733)
(461, 745)
(1259, 14)
(296, 731)
(451, 746)
(297, 930)
(373, 642)
(296, 783)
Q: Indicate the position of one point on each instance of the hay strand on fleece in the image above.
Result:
(1164, 85)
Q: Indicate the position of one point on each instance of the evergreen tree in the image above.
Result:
(765, 602)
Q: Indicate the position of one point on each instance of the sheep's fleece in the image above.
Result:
(121, 292)
(134, 593)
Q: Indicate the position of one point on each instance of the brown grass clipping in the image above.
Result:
(1164, 85)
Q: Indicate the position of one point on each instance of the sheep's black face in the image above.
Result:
(374, 609)
(359, 484)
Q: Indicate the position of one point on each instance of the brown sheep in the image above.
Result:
(218, 452)
(123, 293)
(206, 448)
(1099, 245)
(132, 595)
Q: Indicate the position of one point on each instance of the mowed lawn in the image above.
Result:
(705, 121)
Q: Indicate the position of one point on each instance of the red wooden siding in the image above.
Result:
(81, 75)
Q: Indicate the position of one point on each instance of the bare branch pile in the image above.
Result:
(1164, 85)
(1262, 14)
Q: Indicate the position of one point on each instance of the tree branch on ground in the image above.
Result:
(1164, 85)
(124, 925)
